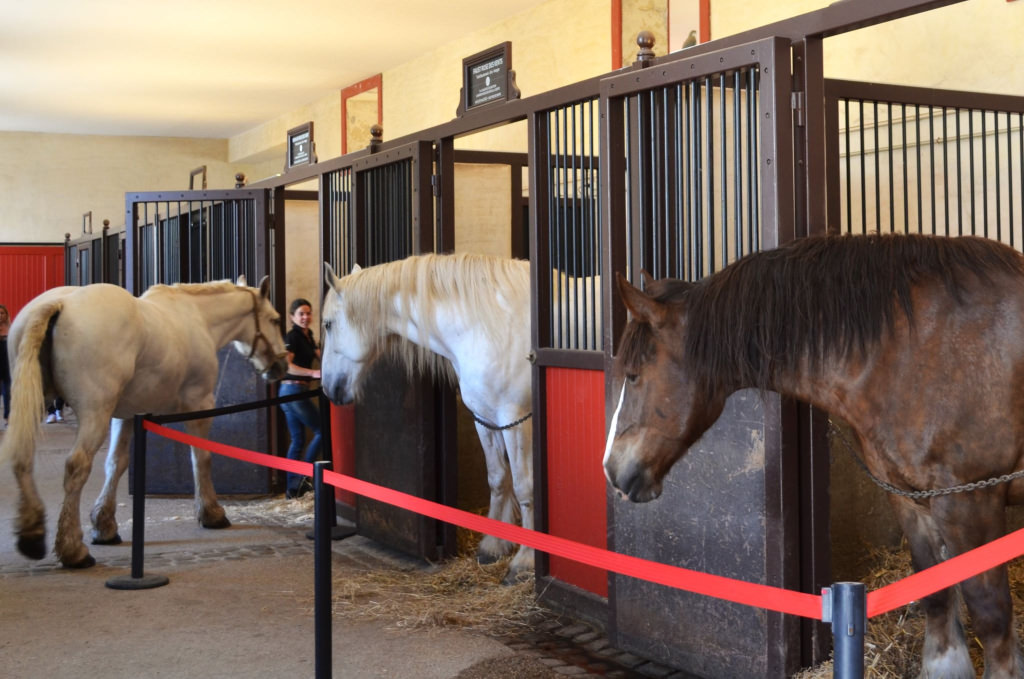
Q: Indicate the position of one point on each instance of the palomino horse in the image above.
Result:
(916, 341)
(464, 317)
(110, 356)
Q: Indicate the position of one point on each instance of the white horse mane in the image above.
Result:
(480, 286)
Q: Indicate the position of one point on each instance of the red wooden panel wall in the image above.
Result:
(28, 270)
(577, 508)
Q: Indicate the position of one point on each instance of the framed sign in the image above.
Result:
(488, 78)
(300, 149)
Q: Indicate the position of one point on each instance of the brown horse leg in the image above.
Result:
(209, 513)
(104, 520)
(945, 652)
(968, 522)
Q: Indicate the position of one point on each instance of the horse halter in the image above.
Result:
(259, 333)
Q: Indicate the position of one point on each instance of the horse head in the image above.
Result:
(660, 413)
(266, 350)
(345, 351)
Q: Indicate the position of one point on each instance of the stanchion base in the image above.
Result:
(145, 582)
(337, 532)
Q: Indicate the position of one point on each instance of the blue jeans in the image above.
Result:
(300, 415)
(5, 393)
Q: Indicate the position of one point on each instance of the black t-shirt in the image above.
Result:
(302, 346)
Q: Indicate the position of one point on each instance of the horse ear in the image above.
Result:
(265, 287)
(643, 307)
(330, 277)
(646, 278)
(355, 268)
(241, 280)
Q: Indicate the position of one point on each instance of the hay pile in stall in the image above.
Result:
(893, 642)
(457, 593)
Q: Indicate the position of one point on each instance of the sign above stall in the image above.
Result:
(487, 78)
(300, 148)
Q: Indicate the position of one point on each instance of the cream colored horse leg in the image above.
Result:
(502, 507)
(30, 526)
(519, 444)
(69, 547)
(104, 521)
(209, 513)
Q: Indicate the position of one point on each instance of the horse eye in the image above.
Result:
(632, 378)
(327, 325)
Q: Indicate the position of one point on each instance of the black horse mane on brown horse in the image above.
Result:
(817, 298)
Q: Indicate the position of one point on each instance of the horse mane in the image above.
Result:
(812, 300)
(482, 286)
(213, 287)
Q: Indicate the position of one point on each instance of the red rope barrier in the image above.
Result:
(880, 601)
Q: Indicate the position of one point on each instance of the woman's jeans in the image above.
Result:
(300, 415)
(5, 394)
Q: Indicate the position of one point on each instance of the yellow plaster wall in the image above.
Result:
(48, 181)
(973, 45)
(555, 44)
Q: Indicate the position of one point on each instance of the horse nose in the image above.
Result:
(632, 480)
(335, 390)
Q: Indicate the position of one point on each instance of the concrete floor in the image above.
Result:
(239, 602)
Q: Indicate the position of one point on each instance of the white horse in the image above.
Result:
(111, 356)
(465, 317)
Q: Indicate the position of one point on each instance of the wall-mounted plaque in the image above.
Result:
(487, 78)
(300, 148)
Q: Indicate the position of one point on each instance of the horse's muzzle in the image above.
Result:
(276, 371)
(633, 481)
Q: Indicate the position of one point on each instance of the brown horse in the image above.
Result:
(916, 341)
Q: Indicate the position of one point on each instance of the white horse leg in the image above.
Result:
(502, 506)
(209, 513)
(69, 547)
(104, 521)
(519, 444)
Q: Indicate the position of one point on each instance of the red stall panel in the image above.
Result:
(576, 503)
(28, 270)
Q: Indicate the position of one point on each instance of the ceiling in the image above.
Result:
(206, 68)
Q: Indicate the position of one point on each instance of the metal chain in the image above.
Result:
(494, 427)
(834, 432)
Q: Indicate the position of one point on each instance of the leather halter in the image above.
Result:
(259, 333)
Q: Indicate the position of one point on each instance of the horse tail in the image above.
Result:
(27, 392)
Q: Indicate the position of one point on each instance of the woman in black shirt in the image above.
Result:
(303, 356)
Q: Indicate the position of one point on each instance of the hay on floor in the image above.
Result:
(457, 593)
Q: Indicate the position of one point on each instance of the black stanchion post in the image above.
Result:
(137, 580)
(845, 606)
(337, 532)
(323, 506)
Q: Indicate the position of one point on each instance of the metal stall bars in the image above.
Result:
(195, 237)
(94, 258)
(568, 401)
(916, 160)
(377, 208)
(696, 166)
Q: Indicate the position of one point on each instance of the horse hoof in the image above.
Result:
(33, 548)
(514, 577)
(116, 540)
(87, 562)
(222, 522)
(485, 559)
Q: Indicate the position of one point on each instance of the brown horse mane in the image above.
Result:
(816, 299)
